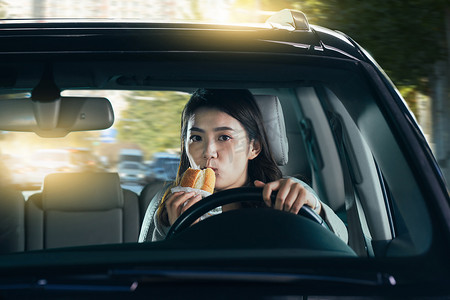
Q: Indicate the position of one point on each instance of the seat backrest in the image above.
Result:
(274, 125)
(12, 224)
(81, 209)
(147, 194)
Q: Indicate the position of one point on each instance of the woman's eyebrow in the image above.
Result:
(223, 128)
(215, 129)
(196, 129)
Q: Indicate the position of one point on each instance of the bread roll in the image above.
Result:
(199, 179)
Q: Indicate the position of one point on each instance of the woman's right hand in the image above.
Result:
(179, 202)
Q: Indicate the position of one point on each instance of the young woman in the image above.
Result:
(223, 130)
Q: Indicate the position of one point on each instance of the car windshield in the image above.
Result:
(150, 121)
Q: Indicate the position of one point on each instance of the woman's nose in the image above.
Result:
(210, 150)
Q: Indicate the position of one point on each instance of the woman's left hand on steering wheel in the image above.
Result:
(291, 195)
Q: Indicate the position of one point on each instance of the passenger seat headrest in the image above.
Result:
(273, 118)
(82, 192)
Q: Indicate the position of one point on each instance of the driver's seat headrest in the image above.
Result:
(273, 118)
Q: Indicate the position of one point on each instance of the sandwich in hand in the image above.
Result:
(196, 180)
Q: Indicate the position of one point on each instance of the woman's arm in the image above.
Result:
(150, 224)
(152, 229)
(159, 231)
(334, 222)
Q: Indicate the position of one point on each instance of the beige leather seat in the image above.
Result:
(81, 209)
(12, 224)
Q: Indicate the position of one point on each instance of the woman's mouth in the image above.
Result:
(214, 169)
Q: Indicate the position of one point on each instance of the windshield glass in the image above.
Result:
(143, 149)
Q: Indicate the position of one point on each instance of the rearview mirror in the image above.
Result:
(56, 118)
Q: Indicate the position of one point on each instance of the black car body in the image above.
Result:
(349, 131)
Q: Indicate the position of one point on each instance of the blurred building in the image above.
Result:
(167, 10)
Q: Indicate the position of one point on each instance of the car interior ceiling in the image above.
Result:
(166, 74)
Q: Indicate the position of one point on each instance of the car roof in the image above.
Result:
(57, 43)
(98, 37)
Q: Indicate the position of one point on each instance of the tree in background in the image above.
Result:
(405, 37)
(3, 9)
(153, 123)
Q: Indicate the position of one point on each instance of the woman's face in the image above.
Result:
(218, 141)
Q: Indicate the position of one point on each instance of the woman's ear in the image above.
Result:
(255, 149)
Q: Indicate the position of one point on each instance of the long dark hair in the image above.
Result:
(240, 105)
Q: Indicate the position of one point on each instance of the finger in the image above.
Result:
(175, 202)
(299, 201)
(174, 195)
(284, 187)
(281, 198)
(172, 206)
(191, 201)
(170, 200)
(258, 183)
(291, 197)
(179, 197)
(267, 191)
(313, 202)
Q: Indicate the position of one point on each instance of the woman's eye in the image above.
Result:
(224, 138)
(195, 138)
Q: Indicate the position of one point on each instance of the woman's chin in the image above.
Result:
(219, 187)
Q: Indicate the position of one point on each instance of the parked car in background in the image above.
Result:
(164, 166)
(132, 172)
(135, 155)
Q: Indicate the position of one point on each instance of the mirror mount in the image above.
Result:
(46, 90)
(46, 98)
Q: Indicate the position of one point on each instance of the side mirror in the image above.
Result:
(56, 118)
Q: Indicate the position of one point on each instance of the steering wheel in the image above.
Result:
(242, 194)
